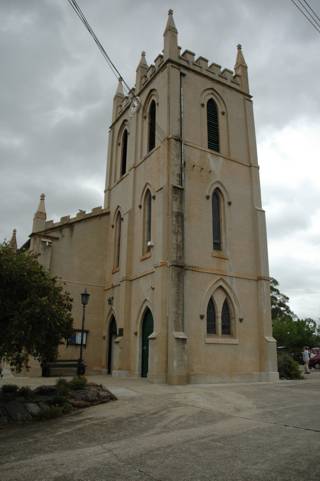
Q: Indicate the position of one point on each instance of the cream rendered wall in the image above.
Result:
(77, 257)
(243, 259)
(139, 282)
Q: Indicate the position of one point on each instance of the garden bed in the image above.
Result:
(46, 402)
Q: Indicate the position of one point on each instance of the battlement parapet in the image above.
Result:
(151, 70)
(188, 56)
(202, 62)
(158, 61)
(67, 219)
(227, 74)
(213, 70)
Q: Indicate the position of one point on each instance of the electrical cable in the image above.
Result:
(312, 18)
(85, 22)
(311, 9)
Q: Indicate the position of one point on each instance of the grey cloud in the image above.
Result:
(300, 281)
(50, 65)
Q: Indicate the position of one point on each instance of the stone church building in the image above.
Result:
(176, 260)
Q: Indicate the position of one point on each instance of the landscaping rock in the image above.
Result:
(33, 408)
(93, 394)
(46, 390)
(76, 403)
(4, 419)
(46, 402)
(17, 411)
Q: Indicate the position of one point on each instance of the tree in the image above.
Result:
(279, 302)
(294, 334)
(288, 329)
(35, 311)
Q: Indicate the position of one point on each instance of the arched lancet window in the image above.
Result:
(124, 149)
(152, 126)
(216, 219)
(225, 319)
(211, 318)
(147, 222)
(213, 126)
(117, 241)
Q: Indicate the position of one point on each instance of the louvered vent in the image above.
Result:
(152, 126)
(213, 126)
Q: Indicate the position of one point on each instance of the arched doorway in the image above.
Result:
(147, 329)
(112, 334)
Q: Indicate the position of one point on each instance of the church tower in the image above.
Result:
(187, 282)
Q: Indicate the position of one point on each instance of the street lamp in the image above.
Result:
(84, 301)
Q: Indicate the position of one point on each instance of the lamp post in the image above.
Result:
(84, 301)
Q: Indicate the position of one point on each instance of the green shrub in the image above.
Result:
(10, 389)
(66, 408)
(50, 413)
(54, 412)
(62, 387)
(78, 382)
(58, 400)
(288, 368)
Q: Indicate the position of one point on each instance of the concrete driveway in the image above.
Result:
(225, 432)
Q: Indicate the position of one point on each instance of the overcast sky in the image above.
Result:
(55, 107)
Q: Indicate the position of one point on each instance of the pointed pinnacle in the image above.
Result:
(170, 23)
(240, 61)
(143, 62)
(42, 207)
(119, 90)
(13, 240)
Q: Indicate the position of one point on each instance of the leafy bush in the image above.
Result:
(78, 382)
(10, 389)
(62, 387)
(288, 368)
(58, 400)
(50, 413)
(54, 412)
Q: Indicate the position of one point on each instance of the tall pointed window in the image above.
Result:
(147, 222)
(225, 319)
(152, 126)
(117, 241)
(124, 149)
(216, 219)
(213, 126)
(211, 318)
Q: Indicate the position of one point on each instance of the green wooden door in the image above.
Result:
(112, 334)
(147, 329)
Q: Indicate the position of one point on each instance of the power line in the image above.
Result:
(311, 9)
(312, 18)
(85, 22)
(309, 15)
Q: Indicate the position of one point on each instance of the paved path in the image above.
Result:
(226, 432)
